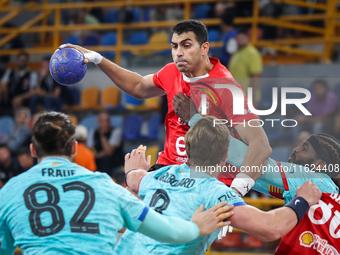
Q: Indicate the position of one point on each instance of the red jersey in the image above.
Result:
(219, 103)
(318, 232)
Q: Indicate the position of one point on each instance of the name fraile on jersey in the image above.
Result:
(50, 172)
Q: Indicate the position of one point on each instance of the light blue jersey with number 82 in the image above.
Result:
(58, 207)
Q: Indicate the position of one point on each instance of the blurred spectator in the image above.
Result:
(15, 43)
(84, 17)
(246, 65)
(229, 37)
(21, 134)
(159, 13)
(17, 85)
(9, 166)
(26, 161)
(107, 141)
(48, 91)
(164, 12)
(96, 12)
(219, 8)
(244, 8)
(323, 106)
(84, 156)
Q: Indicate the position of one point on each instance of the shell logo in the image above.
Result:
(307, 239)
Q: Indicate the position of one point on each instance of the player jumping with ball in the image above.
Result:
(191, 63)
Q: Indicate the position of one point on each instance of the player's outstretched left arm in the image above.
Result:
(274, 224)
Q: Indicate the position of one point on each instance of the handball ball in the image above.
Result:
(67, 66)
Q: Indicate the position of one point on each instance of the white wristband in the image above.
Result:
(93, 57)
(243, 183)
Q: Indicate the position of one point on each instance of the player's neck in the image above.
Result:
(60, 156)
(202, 69)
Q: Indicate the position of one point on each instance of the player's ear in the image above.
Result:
(205, 48)
(74, 148)
(33, 151)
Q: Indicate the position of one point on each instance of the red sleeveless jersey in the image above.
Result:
(318, 232)
(219, 103)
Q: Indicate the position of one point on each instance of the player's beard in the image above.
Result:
(305, 161)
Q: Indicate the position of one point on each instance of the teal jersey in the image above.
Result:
(280, 177)
(59, 207)
(177, 191)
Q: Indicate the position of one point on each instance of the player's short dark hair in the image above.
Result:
(53, 134)
(206, 144)
(332, 147)
(321, 82)
(195, 26)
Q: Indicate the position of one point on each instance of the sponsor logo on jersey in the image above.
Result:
(275, 192)
(182, 159)
(55, 164)
(309, 240)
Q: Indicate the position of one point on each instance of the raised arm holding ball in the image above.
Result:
(191, 65)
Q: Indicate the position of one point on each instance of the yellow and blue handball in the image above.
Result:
(67, 66)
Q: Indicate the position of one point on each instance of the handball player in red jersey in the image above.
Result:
(190, 65)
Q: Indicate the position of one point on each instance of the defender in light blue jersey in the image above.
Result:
(178, 189)
(58, 207)
(281, 179)
(316, 160)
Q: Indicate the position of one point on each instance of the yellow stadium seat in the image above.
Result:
(73, 118)
(89, 98)
(159, 38)
(110, 97)
(153, 151)
(152, 103)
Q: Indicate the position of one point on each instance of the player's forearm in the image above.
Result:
(133, 177)
(267, 226)
(168, 229)
(278, 223)
(126, 80)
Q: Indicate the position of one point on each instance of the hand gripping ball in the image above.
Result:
(67, 66)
